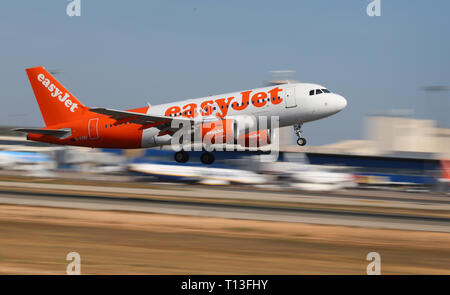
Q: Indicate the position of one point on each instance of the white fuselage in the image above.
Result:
(291, 103)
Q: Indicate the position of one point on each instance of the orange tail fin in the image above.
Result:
(56, 103)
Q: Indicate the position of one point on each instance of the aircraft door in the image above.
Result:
(289, 97)
(93, 129)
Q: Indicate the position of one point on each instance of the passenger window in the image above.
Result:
(311, 92)
(318, 91)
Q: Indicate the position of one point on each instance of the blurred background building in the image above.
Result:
(397, 150)
(394, 135)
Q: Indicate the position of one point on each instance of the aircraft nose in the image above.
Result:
(340, 102)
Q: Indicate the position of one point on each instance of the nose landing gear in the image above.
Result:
(298, 131)
(301, 141)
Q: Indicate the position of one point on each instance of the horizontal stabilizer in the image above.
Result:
(53, 132)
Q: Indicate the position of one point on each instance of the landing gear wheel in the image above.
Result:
(298, 131)
(301, 141)
(181, 157)
(207, 158)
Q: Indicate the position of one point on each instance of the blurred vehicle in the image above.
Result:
(316, 178)
(298, 173)
(198, 174)
(35, 164)
(90, 160)
(445, 178)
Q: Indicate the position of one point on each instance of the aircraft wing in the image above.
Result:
(53, 132)
(163, 123)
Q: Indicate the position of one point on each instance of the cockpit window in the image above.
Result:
(319, 91)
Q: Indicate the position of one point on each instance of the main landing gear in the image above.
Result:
(207, 158)
(183, 157)
(298, 131)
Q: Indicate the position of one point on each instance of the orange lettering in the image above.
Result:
(274, 96)
(172, 110)
(207, 108)
(223, 106)
(190, 110)
(245, 99)
(259, 99)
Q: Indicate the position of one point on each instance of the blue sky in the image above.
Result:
(121, 54)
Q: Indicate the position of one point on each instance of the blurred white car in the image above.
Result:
(298, 173)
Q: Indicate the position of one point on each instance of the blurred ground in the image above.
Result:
(36, 240)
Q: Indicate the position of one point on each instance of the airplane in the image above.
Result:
(69, 122)
(210, 176)
(299, 173)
